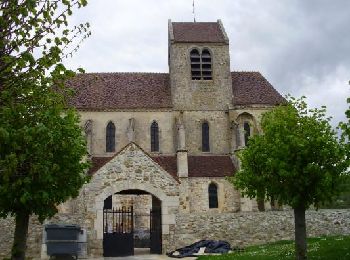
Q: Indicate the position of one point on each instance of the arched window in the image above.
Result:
(213, 196)
(110, 137)
(206, 65)
(205, 137)
(195, 65)
(246, 127)
(154, 137)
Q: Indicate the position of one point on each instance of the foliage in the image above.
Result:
(34, 37)
(298, 160)
(41, 146)
(342, 201)
(41, 143)
(337, 248)
(40, 154)
(345, 127)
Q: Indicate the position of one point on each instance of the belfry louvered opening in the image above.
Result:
(201, 65)
(206, 65)
(195, 65)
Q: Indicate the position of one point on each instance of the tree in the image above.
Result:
(297, 161)
(41, 143)
(345, 127)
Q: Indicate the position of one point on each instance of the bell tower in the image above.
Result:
(199, 66)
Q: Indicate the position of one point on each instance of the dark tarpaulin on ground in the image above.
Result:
(211, 246)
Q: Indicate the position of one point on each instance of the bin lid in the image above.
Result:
(62, 226)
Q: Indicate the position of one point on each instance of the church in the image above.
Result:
(163, 143)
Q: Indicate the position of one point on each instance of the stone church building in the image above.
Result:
(161, 147)
(167, 141)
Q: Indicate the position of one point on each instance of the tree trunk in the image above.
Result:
(20, 238)
(300, 233)
(260, 199)
(261, 204)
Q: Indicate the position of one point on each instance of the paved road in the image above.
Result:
(141, 257)
(141, 254)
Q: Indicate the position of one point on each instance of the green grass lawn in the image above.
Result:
(327, 248)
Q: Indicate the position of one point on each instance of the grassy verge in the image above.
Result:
(326, 248)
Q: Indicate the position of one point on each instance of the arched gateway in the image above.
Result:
(132, 219)
(131, 172)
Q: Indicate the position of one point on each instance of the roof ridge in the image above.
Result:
(122, 72)
(246, 71)
(215, 21)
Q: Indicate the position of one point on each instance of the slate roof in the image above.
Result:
(198, 32)
(252, 88)
(108, 91)
(102, 91)
(198, 166)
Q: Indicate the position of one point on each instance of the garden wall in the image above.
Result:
(240, 229)
(248, 228)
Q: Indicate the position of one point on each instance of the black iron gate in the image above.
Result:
(156, 231)
(118, 232)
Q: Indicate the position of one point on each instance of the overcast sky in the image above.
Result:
(301, 46)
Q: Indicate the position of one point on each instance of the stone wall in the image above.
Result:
(143, 121)
(228, 197)
(249, 228)
(240, 229)
(35, 233)
(221, 132)
(188, 94)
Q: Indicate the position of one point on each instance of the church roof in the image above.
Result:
(198, 166)
(198, 32)
(108, 91)
(252, 88)
(210, 166)
(101, 91)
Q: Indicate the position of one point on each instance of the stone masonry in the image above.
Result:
(240, 229)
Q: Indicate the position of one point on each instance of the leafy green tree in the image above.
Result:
(297, 161)
(345, 127)
(41, 143)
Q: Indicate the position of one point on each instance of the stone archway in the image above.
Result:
(132, 169)
(168, 218)
(132, 220)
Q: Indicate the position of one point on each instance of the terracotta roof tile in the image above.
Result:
(99, 91)
(198, 166)
(97, 163)
(198, 32)
(168, 163)
(210, 166)
(252, 88)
